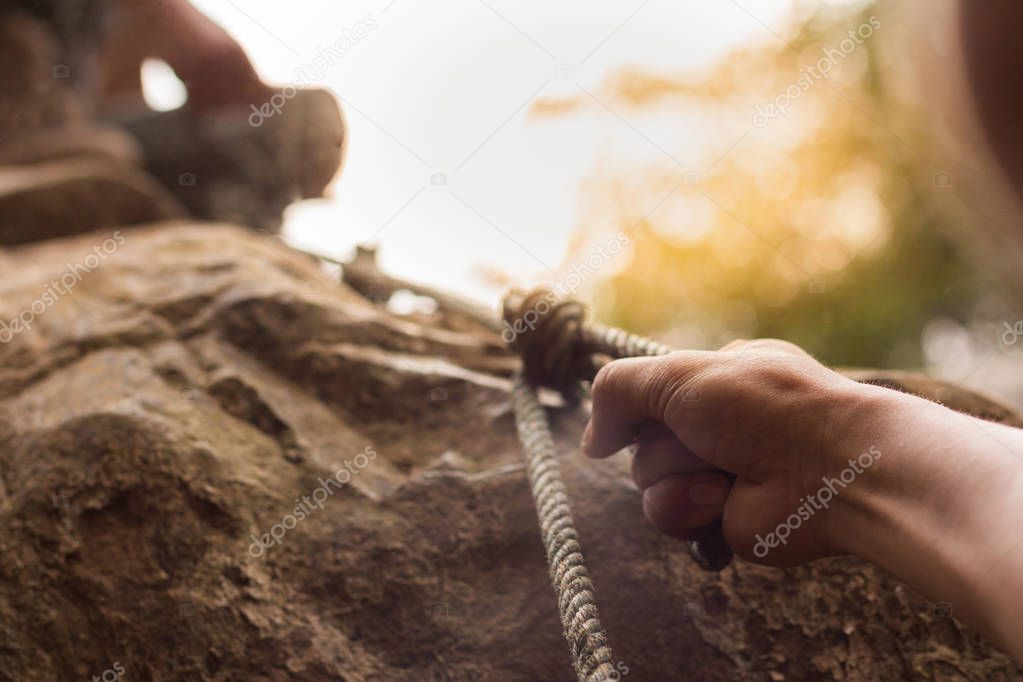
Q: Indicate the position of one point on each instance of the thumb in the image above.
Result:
(630, 392)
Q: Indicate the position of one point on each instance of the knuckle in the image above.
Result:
(786, 347)
(746, 380)
(778, 374)
(610, 380)
(766, 347)
(735, 345)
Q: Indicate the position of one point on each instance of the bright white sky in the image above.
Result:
(445, 87)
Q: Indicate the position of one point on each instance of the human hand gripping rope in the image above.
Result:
(560, 350)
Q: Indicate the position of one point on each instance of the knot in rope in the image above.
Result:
(549, 336)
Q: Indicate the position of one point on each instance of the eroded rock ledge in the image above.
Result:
(201, 378)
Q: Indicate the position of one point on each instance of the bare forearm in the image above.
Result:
(941, 510)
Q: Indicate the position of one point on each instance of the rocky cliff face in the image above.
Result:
(218, 463)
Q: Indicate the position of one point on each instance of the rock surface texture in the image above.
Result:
(198, 381)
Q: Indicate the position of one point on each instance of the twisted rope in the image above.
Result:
(587, 639)
(559, 350)
(618, 343)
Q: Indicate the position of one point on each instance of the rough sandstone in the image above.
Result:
(202, 377)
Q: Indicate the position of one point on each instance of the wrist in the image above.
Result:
(938, 509)
(861, 435)
(927, 457)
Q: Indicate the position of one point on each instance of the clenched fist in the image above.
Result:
(798, 462)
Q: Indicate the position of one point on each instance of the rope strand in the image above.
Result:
(580, 620)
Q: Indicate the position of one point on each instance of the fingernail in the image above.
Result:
(708, 494)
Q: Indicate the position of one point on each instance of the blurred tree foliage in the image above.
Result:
(822, 226)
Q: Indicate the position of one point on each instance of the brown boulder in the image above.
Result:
(199, 380)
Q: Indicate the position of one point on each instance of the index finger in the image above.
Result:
(631, 391)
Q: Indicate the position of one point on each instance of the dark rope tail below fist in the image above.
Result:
(559, 351)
